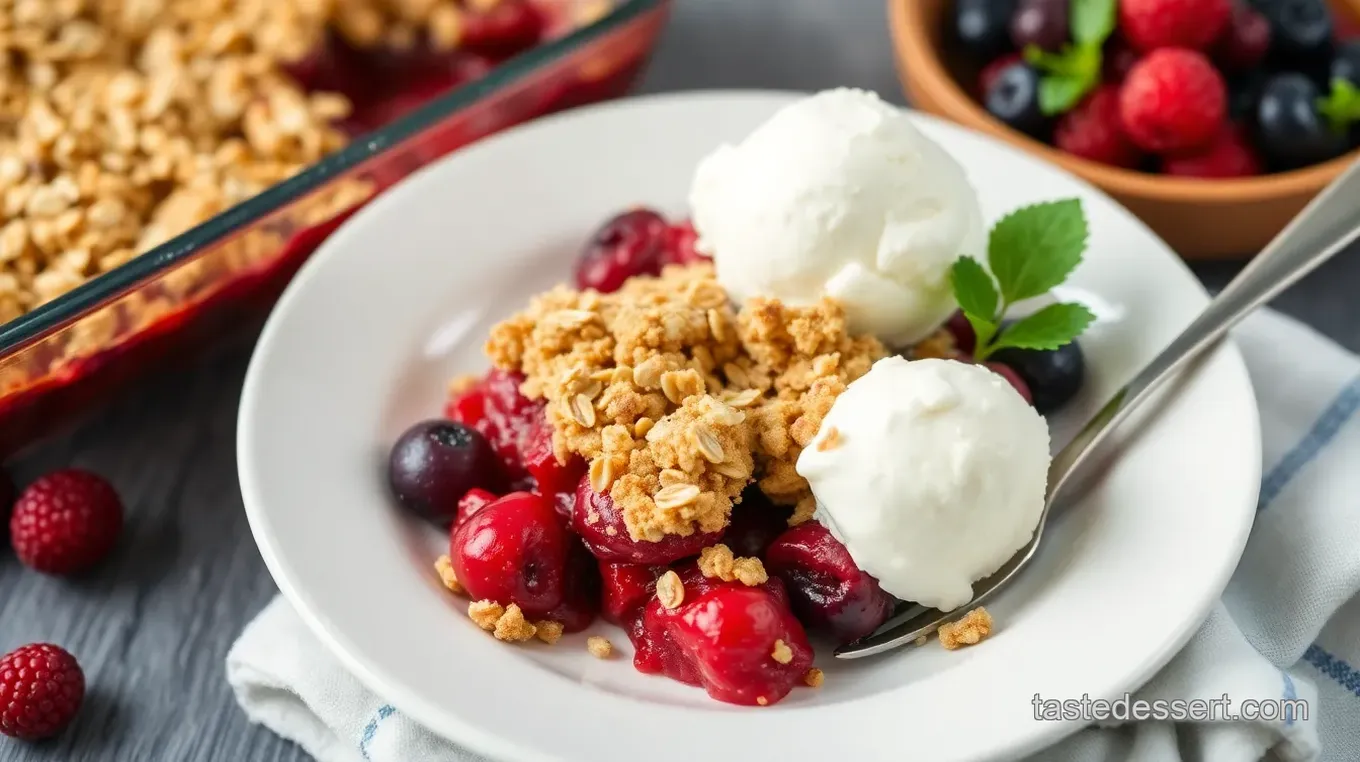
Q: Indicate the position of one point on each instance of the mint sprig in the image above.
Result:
(1029, 252)
(1075, 70)
(1341, 107)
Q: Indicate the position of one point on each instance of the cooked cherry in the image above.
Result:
(1013, 378)
(473, 501)
(600, 524)
(827, 590)
(755, 523)
(1053, 376)
(434, 463)
(507, 28)
(505, 417)
(514, 551)
(581, 594)
(745, 645)
(681, 241)
(633, 243)
(627, 588)
(551, 477)
(962, 330)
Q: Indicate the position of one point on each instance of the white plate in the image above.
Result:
(400, 299)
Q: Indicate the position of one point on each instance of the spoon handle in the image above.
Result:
(1328, 224)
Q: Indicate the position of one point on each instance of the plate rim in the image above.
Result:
(1038, 735)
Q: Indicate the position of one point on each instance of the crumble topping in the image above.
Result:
(670, 590)
(676, 400)
(762, 700)
(504, 622)
(548, 631)
(485, 614)
(814, 678)
(975, 626)
(782, 653)
(444, 567)
(921, 640)
(512, 626)
(599, 647)
(718, 561)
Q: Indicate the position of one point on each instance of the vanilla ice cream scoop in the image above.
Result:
(840, 195)
(932, 473)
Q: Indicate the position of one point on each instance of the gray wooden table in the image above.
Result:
(153, 626)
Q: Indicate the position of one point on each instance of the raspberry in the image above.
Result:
(1230, 155)
(1093, 130)
(66, 522)
(1152, 24)
(41, 687)
(991, 70)
(1173, 101)
(1245, 39)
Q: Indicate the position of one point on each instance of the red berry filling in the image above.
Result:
(507, 419)
(627, 588)
(513, 551)
(827, 590)
(600, 524)
(742, 644)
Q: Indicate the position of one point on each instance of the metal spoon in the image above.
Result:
(1327, 225)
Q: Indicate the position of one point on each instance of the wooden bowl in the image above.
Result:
(1201, 219)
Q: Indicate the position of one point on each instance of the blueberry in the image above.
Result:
(1300, 33)
(1014, 99)
(1040, 22)
(983, 26)
(434, 463)
(1291, 132)
(1053, 376)
(1346, 63)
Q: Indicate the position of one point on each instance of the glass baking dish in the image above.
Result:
(74, 352)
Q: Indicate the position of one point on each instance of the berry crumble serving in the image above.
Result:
(722, 470)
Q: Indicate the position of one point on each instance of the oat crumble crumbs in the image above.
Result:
(485, 614)
(814, 678)
(548, 631)
(762, 700)
(782, 653)
(599, 647)
(513, 627)
(676, 400)
(444, 566)
(718, 561)
(975, 626)
(670, 590)
(921, 640)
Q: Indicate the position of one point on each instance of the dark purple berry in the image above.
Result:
(1014, 99)
(1346, 63)
(1300, 33)
(983, 27)
(434, 463)
(1040, 22)
(1290, 130)
(1053, 376)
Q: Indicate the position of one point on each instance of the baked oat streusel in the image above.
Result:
(973, 628)
(676, 400)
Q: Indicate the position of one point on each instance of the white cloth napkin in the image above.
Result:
(1288, 625)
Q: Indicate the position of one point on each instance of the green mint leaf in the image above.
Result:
(1341, 106)
(973, 289)
(1059, 93)
(1049, 328)
(1092, 21)
(1035, 248)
